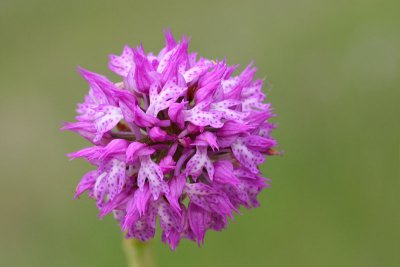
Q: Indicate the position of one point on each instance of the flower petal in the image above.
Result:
(198, 222)
(176, 115)
(196, 71)
(152, 172)
(100, 189)
(123, 63)
(167, 164)
(249, 158)
(176, 186)
(162, 100)
(201, 117)
(107, 117)
(87, 183)
(137, 149)
(224, 173)
(233, 128)
(115, 177)
(206, 139)
(209, 199)
(200, 160)
(170, 219)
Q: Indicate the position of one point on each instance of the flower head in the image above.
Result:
(179, 139)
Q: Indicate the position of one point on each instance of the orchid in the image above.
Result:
(177, 139)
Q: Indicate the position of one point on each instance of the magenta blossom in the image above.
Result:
(179, 139)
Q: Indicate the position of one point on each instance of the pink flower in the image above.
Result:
(175, 128)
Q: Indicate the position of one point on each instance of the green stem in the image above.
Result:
(138, 254)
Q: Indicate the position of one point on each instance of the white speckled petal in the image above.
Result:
(200, 160)
(123, 63)
(106, 119)
(152, 172)
(249, 158)
(116, 177)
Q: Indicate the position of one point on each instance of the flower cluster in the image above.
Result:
(180, 140)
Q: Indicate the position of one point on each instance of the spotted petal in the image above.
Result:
(87, 183)
(200, 115)
(115, 177)
(123, 63)
(200, 160)
(152, 172)
(249, 158)
(107, 117)
(165, 98)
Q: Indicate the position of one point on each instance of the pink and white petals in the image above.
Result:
(115, 177)
(163, 99)
(176, 139)
(249, 158)
(152, 172)
(200, 115)
(122, 64)
(106, 119)
(200, 160)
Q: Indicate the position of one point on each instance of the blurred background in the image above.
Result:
(333, 69)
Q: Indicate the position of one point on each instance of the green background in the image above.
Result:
(333, 69)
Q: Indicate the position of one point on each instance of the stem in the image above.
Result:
(123, 135)
(138, 254)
